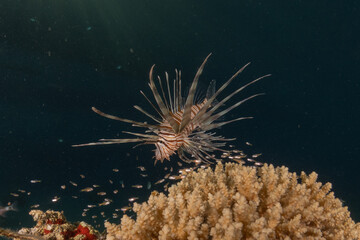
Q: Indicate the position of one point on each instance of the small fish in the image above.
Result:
(4, 210)
(137, 186)
(22, 191)
(249, 144)
(101, 193)
(73, 183)
(256, 155)
(82, 176)
(88, 189)
(160, 181)
(35, 181)
(141, 168)
(110, 181)
(104, 203)
(75, 197)
(14, 194)
(35, 206)
(126, 208)
(63, 186)
(93, 216)
(29, 193)
(96, 186)
(133, 199)
(91, 206)
(116, 170)
(55, 199)
(143, 175)
(115, 191)
(148, 186)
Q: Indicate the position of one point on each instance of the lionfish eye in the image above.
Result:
(182, 125)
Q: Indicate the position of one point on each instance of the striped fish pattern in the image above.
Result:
(183, 126)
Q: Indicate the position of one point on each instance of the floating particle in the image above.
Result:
(22, 191)
(82, 176)
(143, 175)
(33, 20)
(131, 50)
(87, 189)
(256, 155)
(101, 193)
(35, 206)
(28, 193)
(55, 199)
(110, 181)
(165, 168)
(96, 186)
(88, 28)
(116, 170)
(141, 168)
(63, 186)
(14, 194)
(148, 186)
(118, 67)
(122, 184)
(160, 181)
(91, 206)
(60, 140)
(102, 214)
(35, 181)
(249, 144)
(75, 197)
(72, 183)
(137, 186)
(83, 214)
(171, 169)
(133, 199)
(115, 191)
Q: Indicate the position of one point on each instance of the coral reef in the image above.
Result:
(240, 202)
(53, 225)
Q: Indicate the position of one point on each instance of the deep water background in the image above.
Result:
(57, 59)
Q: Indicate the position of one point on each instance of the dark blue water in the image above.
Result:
(59, 59)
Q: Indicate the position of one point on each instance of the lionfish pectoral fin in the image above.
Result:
(109, 141)
(210, 119)
(186, 118)
(220, 124)
(138, 124)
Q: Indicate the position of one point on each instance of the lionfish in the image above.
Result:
(184, 126)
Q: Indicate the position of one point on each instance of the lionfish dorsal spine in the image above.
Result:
(164, 110)
(202, 113)
(189, 101)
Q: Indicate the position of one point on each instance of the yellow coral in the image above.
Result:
(240, 202)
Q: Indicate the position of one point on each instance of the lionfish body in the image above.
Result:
(183, 126)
